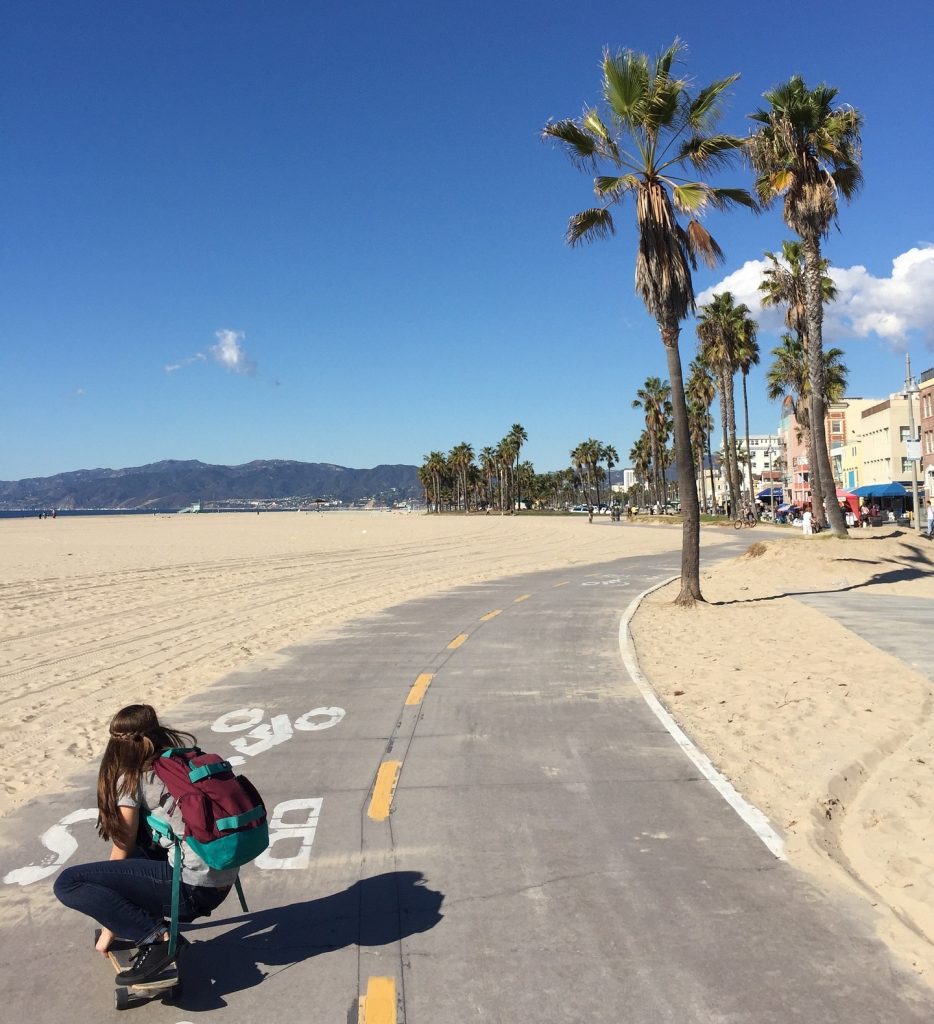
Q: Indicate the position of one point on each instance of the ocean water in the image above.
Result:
(33, 513)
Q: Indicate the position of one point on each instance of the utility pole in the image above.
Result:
(911, 389)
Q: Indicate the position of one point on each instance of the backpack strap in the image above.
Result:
(165, 829)
(240, 896)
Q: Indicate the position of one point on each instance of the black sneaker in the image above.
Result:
(151, 959)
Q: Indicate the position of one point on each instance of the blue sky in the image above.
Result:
(352, 202)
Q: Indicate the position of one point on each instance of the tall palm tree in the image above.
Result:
(641, 456)
(787, 376)
(699, 420)
(654, 398)
(747, 356)
(435, 465)
(808, 151)
(611, 457)
(702, 390)
(783, 285)
(488, 469)
(506, 457)
(652, 133)
(719, 328)
(518, 436)
(461, 460)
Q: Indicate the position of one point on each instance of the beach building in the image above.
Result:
(926, 422)
(843, 423)
(883, 435)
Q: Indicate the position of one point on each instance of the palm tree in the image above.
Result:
(719, 328)
(611, 457)
(461, 460)
(747, 356)
(654, 398)
(506, 456)
(488, 469)
(702, 390)
(518, 436)
(783, 285)
(652, 132)
(641, 456)
(808, 151)
(787, 376)
(435, 466)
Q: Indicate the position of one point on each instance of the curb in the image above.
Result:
(749, 813)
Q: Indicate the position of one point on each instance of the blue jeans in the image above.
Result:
(133, 897)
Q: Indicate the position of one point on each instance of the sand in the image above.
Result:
(835, 747)
(828, 735)
(99, 612)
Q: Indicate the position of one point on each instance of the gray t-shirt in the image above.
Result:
(153, 798)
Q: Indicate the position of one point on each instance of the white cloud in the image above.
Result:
(199, 357)
(230, 353)
(894, 308)
(80, 392)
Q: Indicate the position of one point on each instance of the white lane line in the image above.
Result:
(753, 817)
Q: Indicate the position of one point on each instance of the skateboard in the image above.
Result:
(165, 985)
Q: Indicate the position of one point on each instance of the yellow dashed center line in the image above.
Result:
(490, 615)
(418, 689)
(378, 1006)
(563, 583)
(524, 597)
(386, 779)
(457, 641)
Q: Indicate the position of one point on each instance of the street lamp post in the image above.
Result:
(771, 480)
(911, 389)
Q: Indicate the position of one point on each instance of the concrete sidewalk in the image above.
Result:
(901, 626)
(475, 817)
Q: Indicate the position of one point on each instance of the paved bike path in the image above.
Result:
(550, 852)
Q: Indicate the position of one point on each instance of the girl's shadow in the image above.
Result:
(372, 912)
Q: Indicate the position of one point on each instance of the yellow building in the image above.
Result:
(883, 431)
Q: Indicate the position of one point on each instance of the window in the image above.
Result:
(903, 433)
(906, 465)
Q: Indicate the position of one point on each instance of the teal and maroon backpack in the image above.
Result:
(224, 816)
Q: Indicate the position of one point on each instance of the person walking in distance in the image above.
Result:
(807, 520)
(930, 511)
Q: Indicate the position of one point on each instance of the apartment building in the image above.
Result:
(883, 433)
(926, 423)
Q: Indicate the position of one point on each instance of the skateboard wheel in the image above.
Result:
(121, 998)
(172, 994)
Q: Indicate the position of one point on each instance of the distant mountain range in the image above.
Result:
(174, 484)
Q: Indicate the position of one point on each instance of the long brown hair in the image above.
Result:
(137, 738)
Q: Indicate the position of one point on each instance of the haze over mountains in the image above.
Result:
(175, 484)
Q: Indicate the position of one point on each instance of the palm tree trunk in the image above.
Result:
(690, 514)
(734, 461)
(752, 495)
(713, 486)
(815, 351)
(724, 423)
(700, 474)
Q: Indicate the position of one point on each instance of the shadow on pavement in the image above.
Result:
(372, 912)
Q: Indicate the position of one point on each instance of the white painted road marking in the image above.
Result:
(753, 817)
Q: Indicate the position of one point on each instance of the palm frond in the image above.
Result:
(614, 187)
(589, 225)
(691, 196)
(703, 244)
(579, 144)
(709, 151)
(705, 108)
(625, 82)
(726, 198)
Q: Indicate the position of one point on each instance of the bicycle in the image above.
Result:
(749, 520)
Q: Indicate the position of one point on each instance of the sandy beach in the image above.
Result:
(828, 735)
(99, 612)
